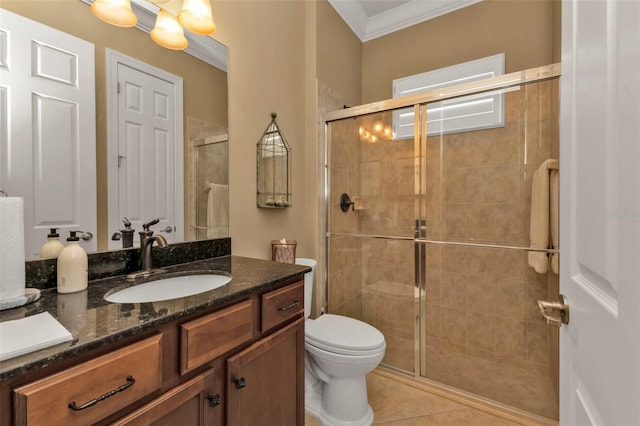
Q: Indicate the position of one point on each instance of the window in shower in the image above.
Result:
(481, 111)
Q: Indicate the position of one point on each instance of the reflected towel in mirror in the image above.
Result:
(217, 210)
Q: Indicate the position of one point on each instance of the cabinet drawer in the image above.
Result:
(282, 304)
(103, 386)
(191, 403)
(205, 338)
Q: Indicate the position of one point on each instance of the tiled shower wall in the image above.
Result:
(483, 333)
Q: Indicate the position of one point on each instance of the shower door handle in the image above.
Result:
(555, 313)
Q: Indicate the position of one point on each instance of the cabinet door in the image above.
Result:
(193, 403)
(265, 382)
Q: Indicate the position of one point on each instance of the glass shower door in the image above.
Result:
(371, 272)
(481, 331)
(434, 245)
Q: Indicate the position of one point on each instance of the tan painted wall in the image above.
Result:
(339, 54)
(267, 72)
(205, 87)
(520, 28)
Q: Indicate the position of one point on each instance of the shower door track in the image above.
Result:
(504, 81)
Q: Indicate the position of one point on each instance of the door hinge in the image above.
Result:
(118, 88)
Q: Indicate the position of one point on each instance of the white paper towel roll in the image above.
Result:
(12, 278)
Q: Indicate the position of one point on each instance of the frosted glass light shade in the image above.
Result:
(168, 32)
(115, 12)
(196, 17)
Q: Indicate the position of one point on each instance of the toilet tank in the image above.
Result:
(308, 283)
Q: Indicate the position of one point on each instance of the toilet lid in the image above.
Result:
(338, 333)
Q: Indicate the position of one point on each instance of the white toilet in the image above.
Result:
(340, 351)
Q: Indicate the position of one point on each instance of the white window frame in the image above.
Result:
(481, 111)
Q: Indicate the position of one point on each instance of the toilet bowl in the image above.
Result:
(339, 352)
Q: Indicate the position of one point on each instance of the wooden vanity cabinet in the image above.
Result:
(190, 403)
(91, 391)
(239, 365)
(265, 382)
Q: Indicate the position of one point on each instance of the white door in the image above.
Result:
(47, 120)
(600, 212)
(149, 151)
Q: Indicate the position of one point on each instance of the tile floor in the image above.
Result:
(396, 401)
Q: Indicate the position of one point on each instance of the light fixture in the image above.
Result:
(196, 17)
(115, 12)
(379, 132)
(168, 32)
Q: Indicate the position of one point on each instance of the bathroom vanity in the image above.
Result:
(233, 355)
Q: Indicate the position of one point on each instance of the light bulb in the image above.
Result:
(196, 17)
(168, 32)
(378, 126)
(115, 12)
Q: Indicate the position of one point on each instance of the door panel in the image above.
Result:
(47, 126)
(146, 174)
(600, 213)
(149, 147)
(265, 381)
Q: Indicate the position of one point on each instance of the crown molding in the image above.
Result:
(395, 19)
(205, 48)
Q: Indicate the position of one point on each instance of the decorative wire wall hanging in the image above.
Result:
(274, 168)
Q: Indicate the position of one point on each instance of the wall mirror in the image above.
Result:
(203, 130)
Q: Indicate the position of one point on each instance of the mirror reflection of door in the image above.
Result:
(145, 148)
(47, 123)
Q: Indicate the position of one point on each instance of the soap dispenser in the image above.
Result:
(53, 246)
(73, 267)
(127, 234)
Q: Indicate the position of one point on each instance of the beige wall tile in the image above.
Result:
(454, 259)
(433, 322)
(511, 339)
(454, 326)
(453, 290)
(481, 334)
(538, 343)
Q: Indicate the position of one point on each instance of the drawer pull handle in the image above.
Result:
(214, 400)
(130, 382)
(293, 305)
(240, 383)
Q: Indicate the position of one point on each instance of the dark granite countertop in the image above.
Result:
(94, 322)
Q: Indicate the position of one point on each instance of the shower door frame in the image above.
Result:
(419, 103)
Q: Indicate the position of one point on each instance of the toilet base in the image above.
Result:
(313, 406)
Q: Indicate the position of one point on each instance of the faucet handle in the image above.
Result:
(146, 226)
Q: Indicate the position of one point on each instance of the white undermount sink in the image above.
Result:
(168, 288)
